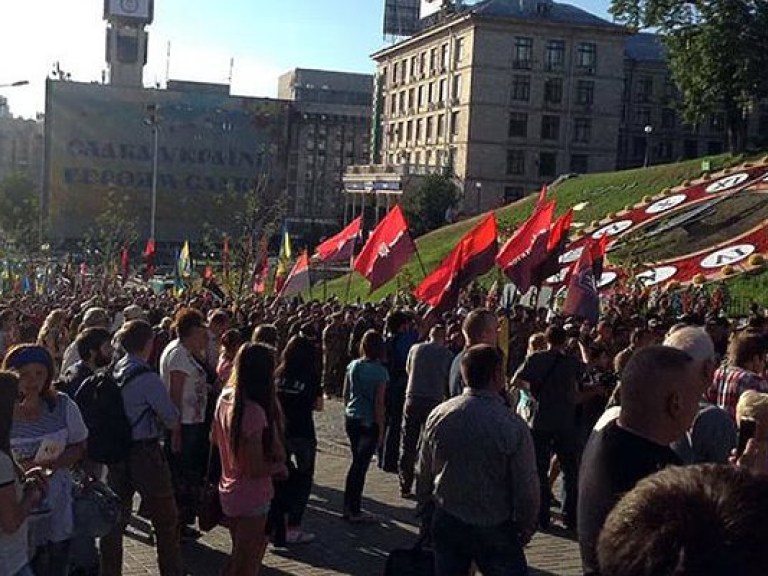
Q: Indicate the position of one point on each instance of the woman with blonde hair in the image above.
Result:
(53, 335)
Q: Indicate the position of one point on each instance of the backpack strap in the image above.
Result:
(127, 379)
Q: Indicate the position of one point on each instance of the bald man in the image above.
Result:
(661, 388)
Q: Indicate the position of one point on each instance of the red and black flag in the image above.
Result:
(583, 299)
(473, 256)
(149, 258)
(388, 248)
(599, 249)
(298, 279)
(556, 243)
(525, 251)
(125, 263)
(341, 246)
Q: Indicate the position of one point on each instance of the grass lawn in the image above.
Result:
(604, 193)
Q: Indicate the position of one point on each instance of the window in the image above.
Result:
(582, 130)
(440, 125)
(512, 193)
(418, 130)
(457, 87)
(430, 92)
(579, 163)
(414, 62)
(643, 116)
(521, 88)
(550, 127)
(668, 118)
(459, 49)
(394, 73)
(444, 57)
(523, 53)
(400, 132)
(714, 147)
(442, 92)
(666, 148)
(454, 123)
(432, 59)
(423, 63)
(411, 94)
(554, 57)
(547, 164)
(638, 146)
(585, 92)
(428, 158)
(553, 90)
(644, 89)
(586, 57)
(518, 125)
(430, 121)
(408, 131)
(516, 162)
(420, 96)
(716, 123)
(690, 149)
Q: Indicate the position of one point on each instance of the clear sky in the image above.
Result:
(265, 38)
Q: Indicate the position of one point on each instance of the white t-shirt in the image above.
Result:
(45, 439)
(194, 400)
(13, 547)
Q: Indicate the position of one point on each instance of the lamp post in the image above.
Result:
(648, 131)
(152, 121)
(479, 190)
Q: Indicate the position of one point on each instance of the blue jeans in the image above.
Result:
(363, 439)
(495, 549)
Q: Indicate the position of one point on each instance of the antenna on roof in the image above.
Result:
(231, 69)
(167, 63)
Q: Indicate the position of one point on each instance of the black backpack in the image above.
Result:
(101, 403)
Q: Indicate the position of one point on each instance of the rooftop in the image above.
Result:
(539, 10)
(645, 47)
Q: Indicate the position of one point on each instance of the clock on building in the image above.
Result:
(140, 11)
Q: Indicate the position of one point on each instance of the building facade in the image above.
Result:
(21, 147)
(330, 130)
(504, 96)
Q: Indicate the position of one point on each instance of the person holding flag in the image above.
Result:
(283, 258)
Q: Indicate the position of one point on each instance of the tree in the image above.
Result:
(426, 206)
(19, 211)
(717, 52)
(112, 230)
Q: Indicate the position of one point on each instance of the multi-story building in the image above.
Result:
(504, 96)
(21, 146)
(331, 126)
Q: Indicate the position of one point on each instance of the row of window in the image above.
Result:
(417, 98)
(643, 116)
(422, 129)
(550, 127)
(428, 62)
(554, 55)
(546, 163)
(438, 157)
(553, 90)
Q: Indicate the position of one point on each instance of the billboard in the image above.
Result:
(401, 17)
(99, 141)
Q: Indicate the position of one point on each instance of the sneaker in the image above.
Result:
(299, 537)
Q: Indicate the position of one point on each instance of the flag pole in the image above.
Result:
(349, 285)
(418, 256)
(325, 281)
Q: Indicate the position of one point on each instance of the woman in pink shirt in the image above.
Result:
(246, 431)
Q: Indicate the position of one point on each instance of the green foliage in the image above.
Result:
(717, 54)
(426, 206)
(19, 211)
(112, 230)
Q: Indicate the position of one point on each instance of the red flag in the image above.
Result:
(558, 238)
(598, 250)
(583, 299)
(387, 249)
(473, 256)
(225, 257)
(125, 263)
(149, 257)
(525, 251)
(208, 272)
(542, 201)
(342, 245)
(298, 279)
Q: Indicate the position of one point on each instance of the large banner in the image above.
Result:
(100, 143)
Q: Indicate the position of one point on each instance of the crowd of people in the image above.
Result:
(497, 422)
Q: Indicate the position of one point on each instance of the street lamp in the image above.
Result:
(648, 131)
(152, 121)
(479, 190)
(15, 84)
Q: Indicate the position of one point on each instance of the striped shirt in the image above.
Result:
(729, 383)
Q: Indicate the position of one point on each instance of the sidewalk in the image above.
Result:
(340, 548)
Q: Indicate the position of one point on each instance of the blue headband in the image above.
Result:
(28, 355)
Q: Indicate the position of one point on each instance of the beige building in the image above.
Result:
(505, 96)
(21, 146)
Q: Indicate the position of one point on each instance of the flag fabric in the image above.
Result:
(582, 299)
(526, 250)
(388, 247)
(261, 267)
(184, 261)
(556, 243)
(125, 263)
(298, 279)
(598, 250)
(542, 201)
(149, 257)
(473, 256)
(225, 258)
(178, 282)
(342, 245)
(283, 258)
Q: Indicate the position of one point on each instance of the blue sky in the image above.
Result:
(264, 38)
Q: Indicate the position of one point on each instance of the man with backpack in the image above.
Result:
(94, 346)
(142, 467)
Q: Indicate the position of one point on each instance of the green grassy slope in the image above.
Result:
(604, 194)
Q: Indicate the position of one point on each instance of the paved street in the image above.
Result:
(340, 548)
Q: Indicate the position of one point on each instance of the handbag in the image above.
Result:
(96, 508)
(210, 514)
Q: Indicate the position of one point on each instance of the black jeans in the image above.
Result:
(51, 559)
(414, 417)
(188, 469)
(302, 452)
(363, 439)
(495, 549)
(565, 445)
(393, 423)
